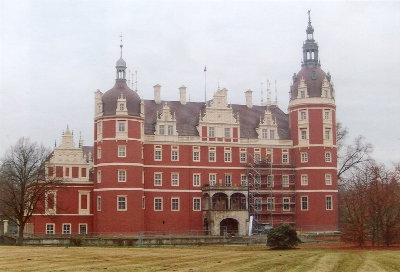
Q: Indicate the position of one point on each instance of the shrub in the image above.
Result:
(282, 237)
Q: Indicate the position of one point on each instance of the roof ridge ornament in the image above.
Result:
(121, 44)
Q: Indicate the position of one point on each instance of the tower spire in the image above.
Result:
(121, 44)
(310, 47)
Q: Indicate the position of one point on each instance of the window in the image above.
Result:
(328, 179)
(50, 229)
(212, 179)
(227, 157)
(211, 156)
(170, 130)
(228, 180)
(304, 157)
(304, 203)
(270, 204)
(66, 228)
(285, 181)
(327, 134)
(99, 153)
(157, 179)
(82, 228)
(174, 204)
(99, 203)
(303, 134)
(304, 180)
(174, 155)
(328, 157)
(227, 132)
(302, 94)
(327, 115)
(257, 180)
(270, 181)
(328, 201)
(258, 203)
(196, 179)
(161, 129)
(243, 180)
(303, 115)
(121, 126)
(285, 158)
(264, 134)
(286, 203)
(84, 202)
(196, 204)
(143, 202)
(121, 107)
(196, 156)
(51, 202)
(121, 151)
(158, 204)
(121, 175)
(157, 155)
(174, 179)
(243, 157)
(98, 176)
(121, 203)
(272, 134)
(211, 132)
(99, 128)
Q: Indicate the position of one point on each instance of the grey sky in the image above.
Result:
(56, 54)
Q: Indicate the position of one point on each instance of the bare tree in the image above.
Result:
(22, 182)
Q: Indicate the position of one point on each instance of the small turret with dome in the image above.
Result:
(121, 89)
(311, 75)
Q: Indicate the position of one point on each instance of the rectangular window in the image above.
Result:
(270, 204)
(211, 156)
(286, 203)
(121, 175)
(99, 203)
(227, 157)
(304, 180)
(327, 134)
(50, 229)
(158, 204)
(272, 134)
(211, 132)
(196, 156)
(285, 181)
(174, 204)
(98, 176)
(196, 204)
(174, 155)
(328, 179)
(121, 107)
(50, 204)
(228, 180)
(161, 129)
(270, 181)
(83, 229)
(196, 179)
(243, 157)
(303, 134)
(157, 155)
(328, 157)
(264, 134)
(99, 128)
(304, 157)
(285, 158)
(243, 180)
(212, 179)
(303, 115)
(327, 115)
(227, 132)
(302, 94)
(174, 179)
(121, 126)
(258, 203)
(328, 200)
(143, 202)
(157, 179)
(170, 130)
(121, 151)
(121, 203)
(304, 203)
(99, 153)
(66, 228)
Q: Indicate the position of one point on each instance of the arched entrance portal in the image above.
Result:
(229, 226)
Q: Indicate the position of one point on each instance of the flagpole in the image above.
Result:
(205, 84)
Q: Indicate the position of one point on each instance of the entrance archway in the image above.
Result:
(229, 226)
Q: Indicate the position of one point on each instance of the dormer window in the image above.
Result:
(121, 107)
(161, 129)
(302, 94)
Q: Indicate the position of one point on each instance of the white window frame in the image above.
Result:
(304, 180)
(327, 134)
(122, 199)
(264, 133)
(304, 157)
(50, 228)
(285, 158)
(99, 152)
(175, 204)
(174, 155)
(122, 151)
(122, 175)
(174, 179)
(98, 203)
(196, 203)
(304, 200)
(286, 205)
(272, 134)
(328, 157)
(227, 132)
(196, 155)
(211, 132)
(66, 228)
(243, 157)
(270, 203)
(212, 179)
(161, 129)
(98, 176)
(157, 154)
(121, 127)
(228, 180)
(285, 181)
(158, 179)
(158, 204)
(270, 181)
(327, 115)
(258, 203)
(196, 179)
(227, 156)
(303, 115)
(328, 179)
(303, 134)
(243, 180)
(170, 130)
(328, 203)
(213, 157)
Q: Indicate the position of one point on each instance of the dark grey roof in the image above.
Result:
(313, 77)
(111, 96)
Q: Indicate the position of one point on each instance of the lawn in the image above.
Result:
(307, 257)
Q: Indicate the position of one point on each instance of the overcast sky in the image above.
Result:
(56, 54)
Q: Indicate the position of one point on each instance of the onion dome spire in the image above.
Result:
(310, 47)
(121, 66)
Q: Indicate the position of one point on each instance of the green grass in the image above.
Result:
(322, 257)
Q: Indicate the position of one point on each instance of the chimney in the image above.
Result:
(182, 92)
(157, 89)
(249, 98)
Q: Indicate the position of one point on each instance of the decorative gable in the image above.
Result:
(268, 128)
(302, 89)
(166, 122)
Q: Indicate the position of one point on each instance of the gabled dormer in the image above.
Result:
(268, 128)
(166, 122)
(302, 89)
(121, 106)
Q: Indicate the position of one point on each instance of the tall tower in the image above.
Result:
(118, 160)
(312, 112)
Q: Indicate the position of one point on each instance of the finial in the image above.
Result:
(121, 44)
(309, 16)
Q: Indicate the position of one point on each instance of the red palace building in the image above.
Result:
(183, 167)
